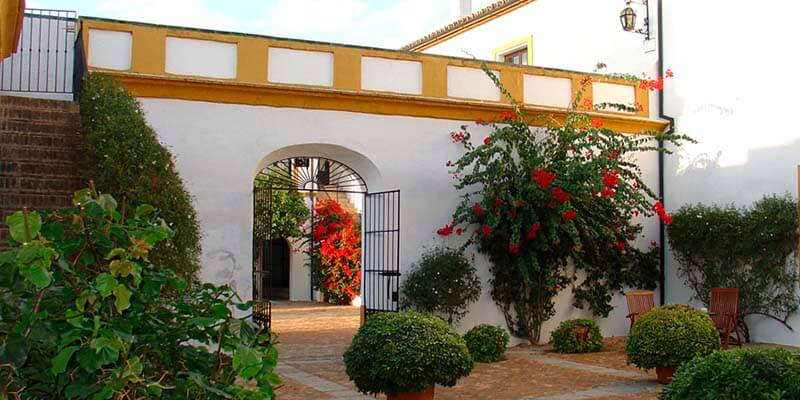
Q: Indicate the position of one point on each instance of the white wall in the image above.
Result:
(220, 147)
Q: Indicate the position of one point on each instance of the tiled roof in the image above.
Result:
(465, 22)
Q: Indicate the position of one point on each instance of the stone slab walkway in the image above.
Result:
(313, 337)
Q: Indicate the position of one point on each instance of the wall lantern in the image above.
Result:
(627, 17)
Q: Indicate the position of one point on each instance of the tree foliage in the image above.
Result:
(123, 156)
(85, 313)
(752, 249)
(287, 211)
(540, 200)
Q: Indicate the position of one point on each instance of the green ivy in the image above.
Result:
(671, 335)
(406, 352)
(123, 156)
(486, 343)
(86, 313)
(752, 249)
(443, 282)
(740, 374)
(565, 340)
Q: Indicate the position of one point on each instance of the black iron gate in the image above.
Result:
(381, 252)
(262, 257)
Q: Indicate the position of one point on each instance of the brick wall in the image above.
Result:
(40, 143)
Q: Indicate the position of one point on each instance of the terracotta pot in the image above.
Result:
(665, 374)
(426, 394)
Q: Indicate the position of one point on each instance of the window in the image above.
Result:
(518, 52)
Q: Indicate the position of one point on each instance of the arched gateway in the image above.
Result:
(319, 179)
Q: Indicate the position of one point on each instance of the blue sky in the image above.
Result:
(378, 23)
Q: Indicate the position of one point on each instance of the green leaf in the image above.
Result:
(108, 203)
(85, 297)
(247, 361)
(115, 252)
(122, 298)
(93, 209)
(105, 393)
(81, 196)
(121, 267)
(61, 360)
(74, 318)
(202, 321)
(143, 209)
(105, 284)
(17, 226)
(14, 350)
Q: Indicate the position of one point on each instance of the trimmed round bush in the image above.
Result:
(741, 374)
(671, 335)
(406, 352)
(486, 343)
(565, 338)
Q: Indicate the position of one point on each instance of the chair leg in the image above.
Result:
(738, 337)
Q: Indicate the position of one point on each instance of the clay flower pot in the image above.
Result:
(426, 394)
(664, 374)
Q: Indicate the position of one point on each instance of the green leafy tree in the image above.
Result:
(123, 156)
(85, 313)
(535, 201)
(288, 211)
(752, 249)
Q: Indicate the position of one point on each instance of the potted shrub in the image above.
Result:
(577, 336)
(757, 373)
(486, 343)
(404, 355)
(443, 282)
(669, 336)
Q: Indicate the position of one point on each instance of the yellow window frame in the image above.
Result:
(524, 42)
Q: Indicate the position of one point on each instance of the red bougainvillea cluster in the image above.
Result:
(536, 201)
(336, 251)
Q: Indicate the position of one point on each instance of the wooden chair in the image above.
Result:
(724, 310)
(639, 302)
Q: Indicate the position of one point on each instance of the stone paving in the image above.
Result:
(313, 337)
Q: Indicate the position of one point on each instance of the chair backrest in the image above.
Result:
(640, 301)
(724, 301)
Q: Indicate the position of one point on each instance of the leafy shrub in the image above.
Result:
(336, 253)
(741, 374)
(565, 339)
(406, 352)
(85, 313)
(486, 343)
(670, 335)
(286, 211)
(750, 249)
(123, 156)
(442, 282)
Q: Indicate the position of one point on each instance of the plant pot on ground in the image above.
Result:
(406, 354)
(669, 336)
(577, 336)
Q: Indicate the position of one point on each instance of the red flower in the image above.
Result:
(597, 122)
(569, 215)
(613, 154)
(497, 203)
(486, 231)
(449, 163)
(534, 231)
(445, 230)
(658, 208)
(586, 80)
(479, 121)
(560, 195)
(607, 192)
(477, 209)
(506, 115)
(669, 73)
(551, 205)
(457, 136)
(621, 245)
(459, 231)
(542, 178)
(653, 243)
(667, 219)
(610, 178)
(487, 140)
(587, 103)
(513, 248)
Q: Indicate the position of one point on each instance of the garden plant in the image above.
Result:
(442, 282)
(335, 253)
(577, 336)
(287, 211)
(123, 156)
(670, 335)
(395, 353)
(740, 374)
(486, 343)
(708, 243)
(537, 200)
(87, 313)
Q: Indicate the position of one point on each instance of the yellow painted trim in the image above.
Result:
(297, 96)
(12, 13)
(470, 25)
(512, 46)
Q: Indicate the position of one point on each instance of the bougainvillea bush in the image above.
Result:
(536, 201)
(86, 314)
(336, 252)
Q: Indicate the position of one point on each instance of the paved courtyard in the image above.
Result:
(313, 337)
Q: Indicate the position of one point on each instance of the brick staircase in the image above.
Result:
(40, 143)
